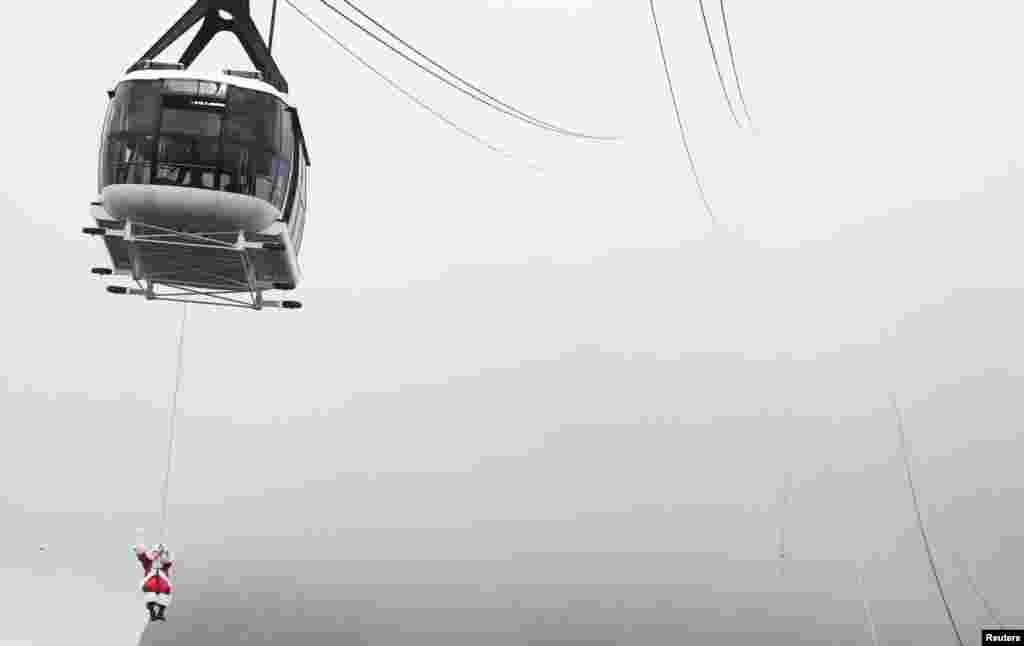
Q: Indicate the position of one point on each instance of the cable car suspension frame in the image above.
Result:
(238, 21)
(159, 271)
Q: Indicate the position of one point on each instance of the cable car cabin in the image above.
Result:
(203, 186)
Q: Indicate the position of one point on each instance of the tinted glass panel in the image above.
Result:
(300, 223)
(235, 163)
(143, 107)
(129, 160)
(198, 134)
(181, 86)
(105, 145)
(298, 215)
(210, 89)
(118, 106)
(287, 146)
(190, 122)
(279, 179)
(189, 162)
(260, 166)
(188, 87)
(253, 118)
(300, 226)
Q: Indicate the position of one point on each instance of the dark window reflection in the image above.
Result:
(188, 162)
(190, 122)
(298, 214)
(253, 117)
(199, 134)
(142, 107)
(129, 159)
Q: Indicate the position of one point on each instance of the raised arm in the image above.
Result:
(140, 550)
(166, 561)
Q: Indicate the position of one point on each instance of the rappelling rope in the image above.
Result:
(173, 418)
(867, 605)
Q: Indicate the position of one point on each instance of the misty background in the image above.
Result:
(541, 408)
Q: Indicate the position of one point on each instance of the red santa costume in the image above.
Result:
(157, 583)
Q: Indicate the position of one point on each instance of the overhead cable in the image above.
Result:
(718, 67)
(403, 91)
(732, 61)
(523, 116)
(514, 113)
(679, 118)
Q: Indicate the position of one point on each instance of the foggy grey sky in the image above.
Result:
(498, 372)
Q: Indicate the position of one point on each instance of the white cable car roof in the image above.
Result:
(230, 79)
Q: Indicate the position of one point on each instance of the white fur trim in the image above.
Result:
(149, 596)
(163, 599)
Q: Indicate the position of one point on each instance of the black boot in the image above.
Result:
(160, 612)
(152, 611)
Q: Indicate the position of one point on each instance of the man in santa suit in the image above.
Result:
(156, 585)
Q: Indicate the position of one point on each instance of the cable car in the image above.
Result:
(203, 178)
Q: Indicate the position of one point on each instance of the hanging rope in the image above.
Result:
(783, 517)
(867, 604)
(173, 419)
(920, 521)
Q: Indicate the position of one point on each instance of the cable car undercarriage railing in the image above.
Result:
(219, 268)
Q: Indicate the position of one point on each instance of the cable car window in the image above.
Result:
(252, 117)
(300, 221)
(298, 214)
(235, 166)
(128, 149)
(260, 164)
(190, 122)
(187, 162)
(287, 146)
(143, 108)
(199, 134)
(118, 108)
(281, 171)
(300, 225)
(238, 165)
(129, 160)
(138, 107)
(181, 86)
(213, 90)
(207, 151)
(253, 124)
